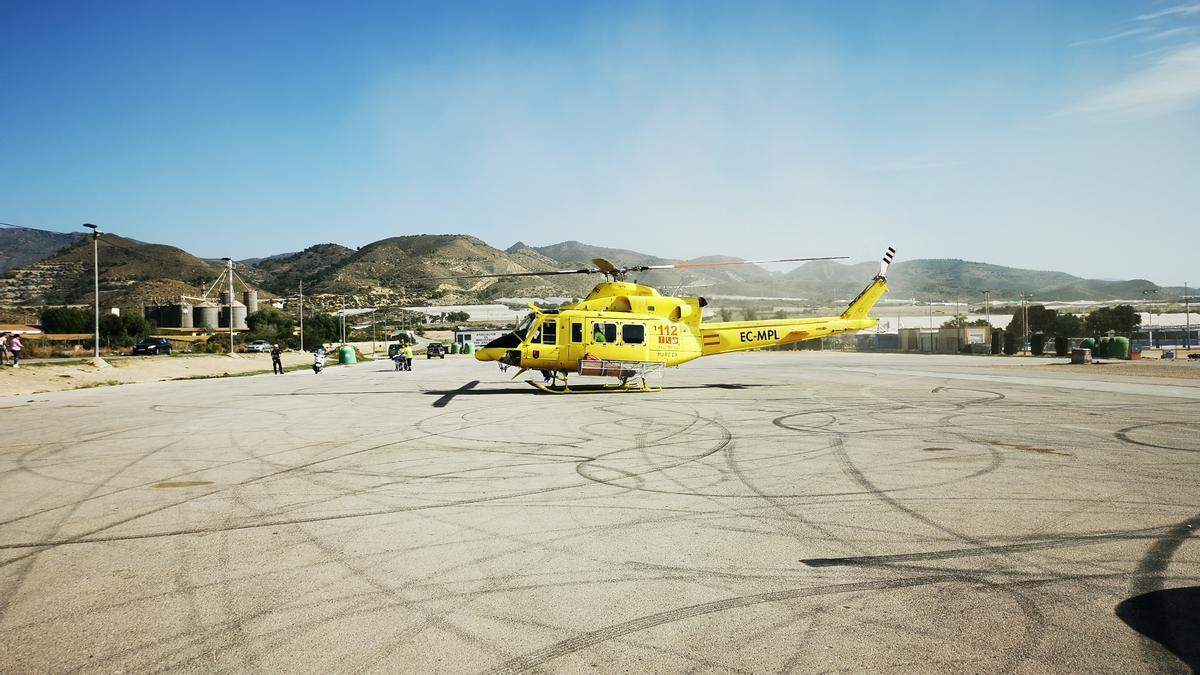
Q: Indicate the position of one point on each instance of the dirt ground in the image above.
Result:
(39, 377)
(1186, 370)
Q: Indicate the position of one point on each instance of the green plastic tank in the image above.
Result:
(346, 355)
(453, 347)
(1102, 347)
(468, 348)
(1118, 348)
(1088, 343)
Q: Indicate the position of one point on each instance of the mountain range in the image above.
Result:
(42, 267)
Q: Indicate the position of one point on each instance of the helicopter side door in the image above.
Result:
(576, 347)
(544, 345)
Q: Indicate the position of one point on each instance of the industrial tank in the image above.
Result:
(250, 300)
(204, 316)
(183, 313)
(239, 316)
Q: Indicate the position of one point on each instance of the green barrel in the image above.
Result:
(1088, 343)
(346, 355)
(468, 348)
(1102, 347)
(1119, 348)
(453, 347)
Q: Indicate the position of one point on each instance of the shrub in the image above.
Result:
(1062, 346)
(1037, 344)
(66, 320)
(1010, 343)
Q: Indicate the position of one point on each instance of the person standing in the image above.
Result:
(14, 346)
(3, 348)
(276, 360)
(408, 356)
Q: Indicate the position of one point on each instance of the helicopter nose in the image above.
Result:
(489, 353)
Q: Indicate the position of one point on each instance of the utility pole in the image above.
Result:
(987, 313)
(229, 271)
(1187, 318)
(302, 315)
(96, 280)
(343, 299)
(1025, 298)
(1150, 328)
(373, 329)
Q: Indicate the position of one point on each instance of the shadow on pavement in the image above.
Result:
(1170, 617)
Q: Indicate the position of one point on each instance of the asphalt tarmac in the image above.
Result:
(766, 512)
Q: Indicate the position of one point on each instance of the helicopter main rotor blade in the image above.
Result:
(680, 266)
(511, 274)
(605, 266)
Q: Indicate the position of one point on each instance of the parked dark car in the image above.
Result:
(152, 346)
(435, 349)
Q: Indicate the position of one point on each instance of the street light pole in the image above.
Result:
(987, 313)
(96, 280)
(302, 316)
(1025, 298)
(229, 271)
(1187, 318)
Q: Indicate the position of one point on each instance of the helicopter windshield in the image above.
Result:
(523, 329)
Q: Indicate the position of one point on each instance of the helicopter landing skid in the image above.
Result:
(627, 387)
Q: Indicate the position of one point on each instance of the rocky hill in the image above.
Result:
(431, 268)
(413, 268)
(21, 246)
(283, 273)
(131, 273)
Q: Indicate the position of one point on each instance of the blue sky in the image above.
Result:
(1042, 135)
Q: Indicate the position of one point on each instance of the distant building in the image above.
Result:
(976, 339)
(477, 335)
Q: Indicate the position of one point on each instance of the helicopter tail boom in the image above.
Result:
(733, 336)
(870, 295)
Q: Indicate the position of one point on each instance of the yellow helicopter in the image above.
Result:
(628, 331)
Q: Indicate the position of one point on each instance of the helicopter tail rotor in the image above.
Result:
(887, 261)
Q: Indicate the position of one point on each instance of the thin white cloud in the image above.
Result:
(1112, 38)
(1170, 33)
(913, 163)
(1170, 84)
(1177, 10)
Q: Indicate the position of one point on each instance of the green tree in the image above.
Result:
(1037, 344)
(726, 314)
(321, 328)
(1119, 319)
(750, 314)
(112, 331)
(274, 326)
(1068, 325)
(66, 320)
(1011, 343)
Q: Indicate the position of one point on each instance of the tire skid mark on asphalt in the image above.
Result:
(1064, 542)
(1148, 578)
(1123, 435)
(592, 638)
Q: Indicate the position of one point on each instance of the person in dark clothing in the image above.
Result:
(276, 360)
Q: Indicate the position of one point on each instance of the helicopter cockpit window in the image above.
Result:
(576, 332)
(604, 332)
(633, 333)
(523, 329)
(549, 334)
